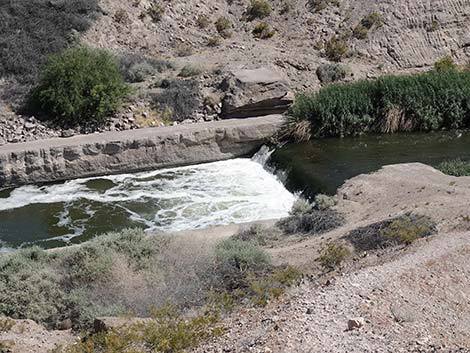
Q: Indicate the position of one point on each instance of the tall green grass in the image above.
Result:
(420, 102)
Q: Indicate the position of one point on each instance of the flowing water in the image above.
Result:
(321, 166)
(234, 191)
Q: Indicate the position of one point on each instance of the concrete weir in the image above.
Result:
(81, 156)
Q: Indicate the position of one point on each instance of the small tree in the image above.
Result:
(79, 85)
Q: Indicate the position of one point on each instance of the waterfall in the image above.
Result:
(263, 155)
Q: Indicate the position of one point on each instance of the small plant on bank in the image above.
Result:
(156, 12)
(374, 19)
(446, 63)
(402, 230)
(214, 41)
(263, 31)
(223, 26)
(258, 9)
(333, 256)
(78, 86)
(336, 48)
(456, 167)
(121, 16)
(328, 73)
(203, 21)
(190, 71)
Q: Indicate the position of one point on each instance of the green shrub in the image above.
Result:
(328, 73)
(446, 63)
(214, 41)
(203, 21)
(241, 255)
(79, 85)
(168, 332)
(29, 288)
(336, 48)
(333, 255)
(456, 167)
(301, 207)
(427, 101)
(190, 71)
(223, 26)
(360, 31)
(258, 9)
(263, 31)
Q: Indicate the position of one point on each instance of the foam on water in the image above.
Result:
(233, 191)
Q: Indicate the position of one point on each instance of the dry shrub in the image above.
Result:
(312, 222)
(297, 130)
(402, 230)
(394, 120)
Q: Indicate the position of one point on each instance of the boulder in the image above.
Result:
(258, 92)
(356, 323)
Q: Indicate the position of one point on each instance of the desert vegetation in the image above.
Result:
(79, 84)
(455, 167)
(423, 102)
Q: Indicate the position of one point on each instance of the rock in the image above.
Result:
(256, 92)
(356, 323)
(2, 141)
(68, 133)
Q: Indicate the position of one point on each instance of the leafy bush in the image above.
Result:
(263, 31)
(427, 101)
(328, 73)
(446, 63)
(241, 255)
(29, 288)
(312, 222)
(258, 9)
(456, 167)
(336, 48)
(223, 26)
(301, 207)
(324, 202)
(33, 29)
(79, 85)
(181, 98)
(400, 230)
(333, 255)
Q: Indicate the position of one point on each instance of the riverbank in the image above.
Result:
(390, 291)
(56, 160)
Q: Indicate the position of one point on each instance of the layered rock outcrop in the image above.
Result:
(254, 93)
(130, 151)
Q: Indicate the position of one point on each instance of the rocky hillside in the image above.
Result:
(178, 53)
(410, 35)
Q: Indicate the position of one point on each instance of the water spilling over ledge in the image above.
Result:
(233, 191)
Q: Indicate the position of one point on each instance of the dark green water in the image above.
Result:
(321, 166)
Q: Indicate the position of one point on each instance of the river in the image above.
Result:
(234, 191)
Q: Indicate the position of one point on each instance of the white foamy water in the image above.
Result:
(233, 191)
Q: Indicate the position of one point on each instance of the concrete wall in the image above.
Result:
(131, 151)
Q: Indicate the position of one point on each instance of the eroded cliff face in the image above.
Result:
(121, 152)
